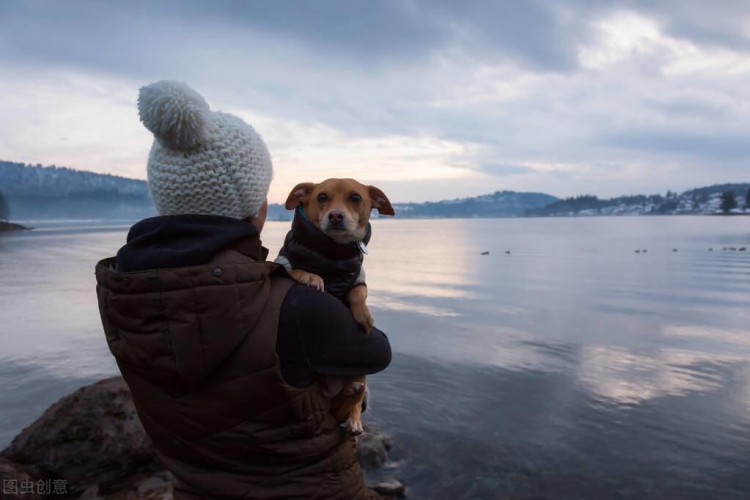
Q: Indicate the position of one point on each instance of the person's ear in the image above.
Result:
(259, 219)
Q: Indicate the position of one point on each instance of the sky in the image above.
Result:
(426, 99)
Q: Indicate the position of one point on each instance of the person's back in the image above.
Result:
(207, 336)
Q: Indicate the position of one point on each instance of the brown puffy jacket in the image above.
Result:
(196, 345)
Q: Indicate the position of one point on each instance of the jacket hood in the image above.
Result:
(181, 240)
(174, 323)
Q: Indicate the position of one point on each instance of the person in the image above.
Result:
(225, 356)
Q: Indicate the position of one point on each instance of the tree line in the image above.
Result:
(729, 201)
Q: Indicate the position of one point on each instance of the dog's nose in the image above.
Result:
(336, 217)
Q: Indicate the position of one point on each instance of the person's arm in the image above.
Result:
(282, 258)
(283, 261)
(318, 336)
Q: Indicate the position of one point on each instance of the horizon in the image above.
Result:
(425, 201)
(428, 101)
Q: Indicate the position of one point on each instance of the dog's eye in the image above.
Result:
(322, 198)
(355, 198)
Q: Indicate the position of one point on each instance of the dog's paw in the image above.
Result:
(316, 282)
(363, 316)
(353, 426)
(355, 389)
(309, 279)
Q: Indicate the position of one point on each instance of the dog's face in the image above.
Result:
(339, 207)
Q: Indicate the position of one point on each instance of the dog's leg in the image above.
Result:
(308, 279)
(358, 302)
(347, 405)
(353, 423)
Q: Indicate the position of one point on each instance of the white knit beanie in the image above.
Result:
(202, 162)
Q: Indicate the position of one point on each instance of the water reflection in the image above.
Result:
(402, 304)
(713, 335)
(488, 432)
(629, 377)
(569, 368)
(411, 260)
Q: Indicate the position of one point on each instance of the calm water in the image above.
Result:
(570, 368)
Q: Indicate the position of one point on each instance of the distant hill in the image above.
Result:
(705, 200)
(498, 204)
(37, 192)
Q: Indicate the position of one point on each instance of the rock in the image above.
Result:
(372, 447)
(19, 479)
(155, 486)
(89, 437)
(391, 488)
(93, 442)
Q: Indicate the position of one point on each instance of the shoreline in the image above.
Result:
(12, 226)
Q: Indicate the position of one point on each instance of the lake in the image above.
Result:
(570, 367)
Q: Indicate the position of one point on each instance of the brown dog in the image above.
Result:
(340, 210)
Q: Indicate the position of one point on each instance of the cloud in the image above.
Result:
(689, 107)
(600, 97)
(500, 169)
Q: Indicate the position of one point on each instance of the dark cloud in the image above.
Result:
(532, 33)
(389, 28)
(715, 23)
(707, 144)
(119, 35)
(140, 36)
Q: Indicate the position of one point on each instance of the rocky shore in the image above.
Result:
(91, 445)
(12, 226)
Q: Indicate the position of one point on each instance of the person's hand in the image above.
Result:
(331, 386)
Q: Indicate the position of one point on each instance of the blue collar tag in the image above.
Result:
(302, 213)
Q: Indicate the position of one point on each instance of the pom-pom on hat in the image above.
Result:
(202, 161)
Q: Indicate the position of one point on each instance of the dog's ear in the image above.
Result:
(299, 195)
(380, 201)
